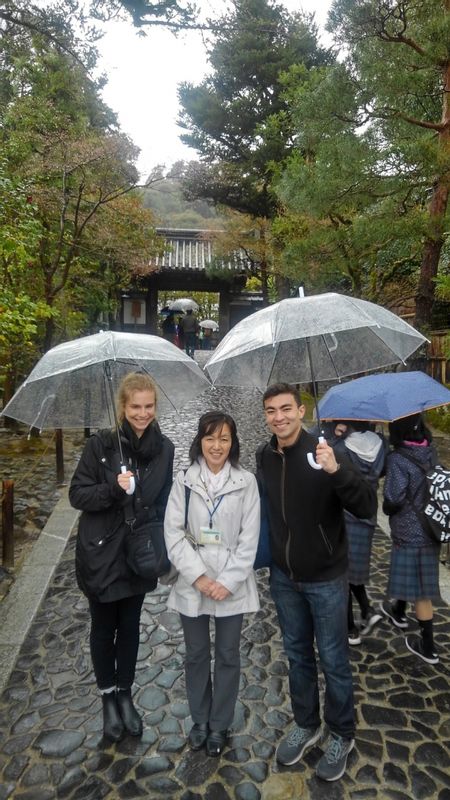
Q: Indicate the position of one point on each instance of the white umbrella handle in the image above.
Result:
(312, 463)
(132, 481)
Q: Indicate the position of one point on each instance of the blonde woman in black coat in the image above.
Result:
(115, 593)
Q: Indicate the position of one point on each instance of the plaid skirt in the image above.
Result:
(414, 573)
(359, 538)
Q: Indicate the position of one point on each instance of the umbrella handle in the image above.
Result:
(132, 481)
(312, 463)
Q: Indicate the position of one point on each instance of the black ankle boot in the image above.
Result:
(130, 717)
(112, 723)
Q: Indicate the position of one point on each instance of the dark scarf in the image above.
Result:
(142, 449)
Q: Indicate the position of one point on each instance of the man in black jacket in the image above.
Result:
(309, 574)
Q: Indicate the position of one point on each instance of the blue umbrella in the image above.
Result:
(383, 398)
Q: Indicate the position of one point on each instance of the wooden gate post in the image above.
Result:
(8, 522)
(59, 456)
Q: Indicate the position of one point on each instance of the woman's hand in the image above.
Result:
(204, 585)
(219, 591)
(124, 480)
(210, 588)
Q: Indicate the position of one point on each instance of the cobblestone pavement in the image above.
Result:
(51, 744)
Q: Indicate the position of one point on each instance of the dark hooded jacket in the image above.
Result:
(101, 568)
(308, 539)
(404, 489)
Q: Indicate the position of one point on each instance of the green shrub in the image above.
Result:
(439, 418)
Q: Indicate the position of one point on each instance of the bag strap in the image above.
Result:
(187, 495)
(259, 470)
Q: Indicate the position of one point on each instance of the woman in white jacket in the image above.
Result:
(214, 557)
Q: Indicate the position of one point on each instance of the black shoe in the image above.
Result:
(389, 611)
(198, 735)
(215, 742)
(130, 717)
(415, 645)
(369, 621)
(353, 636)
(112, 722)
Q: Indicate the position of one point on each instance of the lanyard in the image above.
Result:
(215, 507)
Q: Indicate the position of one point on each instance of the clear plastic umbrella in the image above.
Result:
(183, 304)
(209, 324)
(319, 338)
(72, 384)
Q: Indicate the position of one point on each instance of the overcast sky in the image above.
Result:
(143, 74)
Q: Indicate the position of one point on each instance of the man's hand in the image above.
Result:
(325, 457)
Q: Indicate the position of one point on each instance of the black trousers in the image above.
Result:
(114, 640)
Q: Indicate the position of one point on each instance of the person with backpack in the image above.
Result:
(414, 566)
(213, 548)
(115, 593)
(367, 450)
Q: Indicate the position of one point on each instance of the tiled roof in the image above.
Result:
(192, 250)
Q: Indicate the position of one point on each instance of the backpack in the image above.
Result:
(263, 557)
(435, 513)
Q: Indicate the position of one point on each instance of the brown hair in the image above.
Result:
(133, 382)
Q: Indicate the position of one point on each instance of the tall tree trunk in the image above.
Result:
(283, 287)
(49, 332)
(264, 276)
(437, 211)
(431, 253)
(9, 387)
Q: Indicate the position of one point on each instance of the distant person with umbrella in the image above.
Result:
(168, 327)
(207, 338)
(414, 567)
(207, 326)
(115, 594)
(189, 327)
(308, 580)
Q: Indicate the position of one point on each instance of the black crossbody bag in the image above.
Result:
(145, 548)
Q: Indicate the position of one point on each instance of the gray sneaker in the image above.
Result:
(332, 765)
(292, 747)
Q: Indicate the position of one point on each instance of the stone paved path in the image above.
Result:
(50, 714)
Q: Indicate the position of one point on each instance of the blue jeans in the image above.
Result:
(317, 609)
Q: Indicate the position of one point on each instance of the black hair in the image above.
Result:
(209, 423)
(411, 428)
(361, 426)
(282, 388)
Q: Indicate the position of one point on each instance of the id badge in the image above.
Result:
(210, 536)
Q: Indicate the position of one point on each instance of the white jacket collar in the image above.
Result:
(192, 478)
